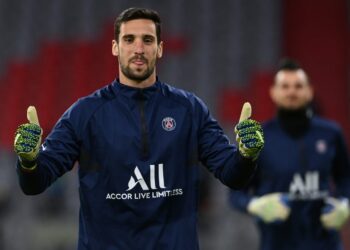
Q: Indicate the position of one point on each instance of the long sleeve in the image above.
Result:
(240, 199)
(218, 155)
(341, 167)
(57, 155)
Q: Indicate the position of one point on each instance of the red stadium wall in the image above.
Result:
(231, 100)
(317, 34)
(52, 80)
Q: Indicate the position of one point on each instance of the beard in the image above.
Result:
(138, 75)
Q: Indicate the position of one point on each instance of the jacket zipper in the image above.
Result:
(144, 131)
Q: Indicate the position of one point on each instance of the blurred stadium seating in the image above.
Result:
(54, 52)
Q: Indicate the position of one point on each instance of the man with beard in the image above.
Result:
(138, 142)
(300, 192)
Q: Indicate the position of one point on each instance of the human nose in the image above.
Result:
(139, 46)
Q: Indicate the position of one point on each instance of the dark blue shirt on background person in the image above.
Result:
(299, 194)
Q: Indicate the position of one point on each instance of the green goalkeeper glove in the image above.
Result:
(28, 140)
(249, 134)
(335, 213)
(270, 208)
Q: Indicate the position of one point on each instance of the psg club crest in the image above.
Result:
(168, 124)
(321, 146)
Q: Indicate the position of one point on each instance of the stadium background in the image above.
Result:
(53, 52)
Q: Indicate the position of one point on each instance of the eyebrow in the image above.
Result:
(128, 35)
(143, 35)
(149, 36)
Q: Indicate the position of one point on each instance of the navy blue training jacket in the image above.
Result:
(308, 169)
(138, 152)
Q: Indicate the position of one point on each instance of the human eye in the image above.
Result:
(299, 85)
(148, 39)
(284, 86)
(128, 39)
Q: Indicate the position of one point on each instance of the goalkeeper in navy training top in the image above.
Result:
(138, 142)
(299, 194)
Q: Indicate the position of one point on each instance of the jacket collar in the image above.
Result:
(135, 93)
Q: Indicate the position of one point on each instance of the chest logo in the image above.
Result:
(306, 187)
(149, 184)
(142, 182)
(168, 124)
(321, 146)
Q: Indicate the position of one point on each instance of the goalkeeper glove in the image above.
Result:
(335, 213)
(249, 134)
(270, 208)
(28, 140)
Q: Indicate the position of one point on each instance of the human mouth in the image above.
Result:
(139, 61)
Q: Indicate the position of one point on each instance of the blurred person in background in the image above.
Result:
(299, 194)
(138, 142)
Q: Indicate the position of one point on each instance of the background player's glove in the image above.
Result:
(270, 208)
(28, 140)
(249, 134)
(335, 213)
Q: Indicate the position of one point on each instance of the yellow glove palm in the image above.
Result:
(270, 208)
(28, 139)
(335, 213)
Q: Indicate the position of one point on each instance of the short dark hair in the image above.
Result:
(137, 13)
(288, 64)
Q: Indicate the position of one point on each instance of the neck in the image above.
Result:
(294, 122)
(137, 84)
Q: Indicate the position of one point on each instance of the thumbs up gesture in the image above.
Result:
(28, 140)
(249, 134)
